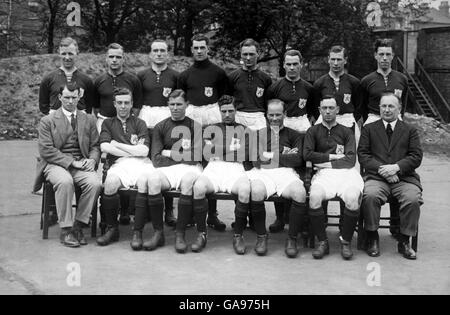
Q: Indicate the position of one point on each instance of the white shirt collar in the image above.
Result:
(393, 124)
(68, 114)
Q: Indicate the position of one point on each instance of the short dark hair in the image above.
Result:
(122, 91)
(114, 46)
(248, 43)
(328, 97)
(200, 37)
(383, 42)
(390, 93)
(70, 86)
(293, 52)
(226, 100)
(178, 93)
(338, 49)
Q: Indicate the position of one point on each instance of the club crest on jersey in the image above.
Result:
(347, 98)
(398, 93)
(302, 103)
(166, 92)
(340, 149)
(259, 92)
(186, 144)
(209, 91)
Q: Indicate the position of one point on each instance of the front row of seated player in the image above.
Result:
(179, 145)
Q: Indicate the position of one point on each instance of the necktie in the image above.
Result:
(389, 132)
(73, 122)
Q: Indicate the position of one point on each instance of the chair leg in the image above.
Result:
(94, 220)
(361, 240)
(415, 241)
(46, 207)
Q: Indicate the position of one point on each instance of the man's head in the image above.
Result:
(384, 53)
(337, 59)
(69, 95)
(159, 52)
(390, 107)
(115, 57)
(68, 52)
(293, 64)
(227, 109)
(329, 109)
(123, 102)
(200, 47)
(249, 53)
(275, 113)
(177, 104)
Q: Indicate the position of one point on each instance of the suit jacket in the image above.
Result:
(405, 150)
(54, 131)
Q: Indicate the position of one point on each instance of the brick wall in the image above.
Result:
(434, 54)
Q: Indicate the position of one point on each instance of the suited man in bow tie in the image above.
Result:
(69, 154)
(390, 152)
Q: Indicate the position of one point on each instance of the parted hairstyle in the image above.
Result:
(383, 42)
(122, 91)
(293, 52)
(226, 100)
(178, 93)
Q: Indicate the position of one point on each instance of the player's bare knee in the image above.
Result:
(112, 185)
(352, 199)
(298, 193)
(199, 189)
(141, 184)
(316, 197)
(258, 191)
(153, 183)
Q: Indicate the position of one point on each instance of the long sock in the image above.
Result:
(259, 216)
(110, 205)
(241, 211)
(141, 212)
(372, 235)
(350, 222)
(317, 217)
(296, 217)
(184, 212)
(156, 206)
(200, 212)
(124, 203)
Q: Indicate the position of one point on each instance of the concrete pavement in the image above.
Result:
(30, 265)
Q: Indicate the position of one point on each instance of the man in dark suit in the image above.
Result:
(69, 155)
(390, 151)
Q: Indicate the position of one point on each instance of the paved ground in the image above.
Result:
(30, 265)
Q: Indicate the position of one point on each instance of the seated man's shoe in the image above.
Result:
(124, 219)
(199, 243)
(136, 241)
(261, 245)
(239, 244)
(405, 249)
(157, 240)
(214, 222)
(346, 249)
(322, 249)
(68, 239)
(78, 233)
(373, 248)
(180, 243)
(112, 235)
(291, 248)
(170, 219)
(277, 225)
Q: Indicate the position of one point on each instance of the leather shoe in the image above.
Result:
(170, 219)
(78, 233)
(112, 235)
(321, 250)
(346, 249)
(277, 226)
(261, 245)
(68, 239)
(214, 222)
(407, 251)
(158, 240)
(180, 243)
(239, 244)
(199, 243)
(136, 241)
(291, 248)
(373, 248)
